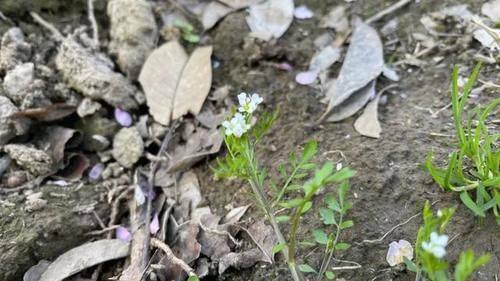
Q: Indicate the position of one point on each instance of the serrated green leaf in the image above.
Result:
(339, 176)
(306, 268)
(320, 236)
(278, 248)
(329, 275)
(346, 224)
(332, 203)
(327, 216)
(310, 149)
(342, 246)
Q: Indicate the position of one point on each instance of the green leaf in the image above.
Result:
(327, 216)
(329, 275)
(291, 203)
(341, 175)
(320, 236)
(310, 149)
(308, 166)
(306, 268)
(306, 207)
(332, 203)
(193, 278)
(410, 265)
(464, 196)
(191, 38)
(342, 246)
(321, 174)
(293, 187)
(281, 219)
(278, 248)
(299, 176)
(346, 224)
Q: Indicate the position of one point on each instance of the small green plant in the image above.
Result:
(300, 177)
(474, 167)
(333, 216)
(430, 251)
(187, 31)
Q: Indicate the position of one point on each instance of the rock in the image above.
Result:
(18, 80)
(10, 127)
(133, 33)
(127, 146)
(87, 107)
(14, 50)
(96, 143)
(36, 161)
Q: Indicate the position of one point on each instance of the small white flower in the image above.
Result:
(398, 251)
(237, 126)
(249, 104)
(439, 213)
(436, 245)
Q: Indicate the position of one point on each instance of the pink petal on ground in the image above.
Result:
(154, 226)
(398, 251)
(302, 12)
(123, 117)
(307, 77)
(284, 66)
(122, 233)
(96, 171)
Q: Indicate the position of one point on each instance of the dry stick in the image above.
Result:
(387, 11)
(93, 22)
(354, 266)
(388, 232)
(171, 257)
(47, 25)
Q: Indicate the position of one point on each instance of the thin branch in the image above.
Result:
(171, 257)
(387, 11)
(47, 25)
(93, 22)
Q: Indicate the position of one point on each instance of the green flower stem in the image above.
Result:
(285, 186)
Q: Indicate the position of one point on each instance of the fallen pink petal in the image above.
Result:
(284, 66)
(96, 171)
(154, 226)
(307, 77)
(398, 251)
(303, 12)
(123, 233)
(123, 117)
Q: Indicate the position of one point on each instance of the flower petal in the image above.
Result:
(302, 12)
(123, 117)
(307, 77)
(122, 233)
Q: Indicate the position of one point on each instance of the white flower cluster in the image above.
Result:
(436, 245)
(238, 125)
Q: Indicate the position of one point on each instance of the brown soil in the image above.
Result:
(389, 187)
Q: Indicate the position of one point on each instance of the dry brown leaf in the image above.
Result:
(48, 113)
(194, 84)
(353, 104)
(235, 215)
(213, 13)
(238, 4)
(85, 256)
(336, 19)
(367, 124)
(270, 19)
(159, 78)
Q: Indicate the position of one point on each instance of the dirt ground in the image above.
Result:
(389, 187)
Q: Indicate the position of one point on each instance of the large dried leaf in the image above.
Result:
(194, 84)
(367, 124)
(271, 18)
(85, 256)
(235, 215)
(492, 10)
(213, 12)
(353, 104)
(363, 63)
(159, 78)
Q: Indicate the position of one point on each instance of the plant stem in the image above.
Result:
(326, 260)
(287, 183)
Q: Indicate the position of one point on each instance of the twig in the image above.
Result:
(488, 29)
(93, 22)
(388, 232)
(99, 220)
(270, 258)
(387, 11)
(104, 230)
(47, 25)
(171, 257)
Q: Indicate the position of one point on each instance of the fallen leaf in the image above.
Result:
(75, 165)
(159, 77)
(238, 4)
(85, 256)
(390, 73)
(270, 18)
(55, 139)
(367, 124)
(35, 272)
(486, 39)
(213, 12)
(202, 143)
(52, 112)
(398, 251)
(363, 63)
(353, 104)
(323, 59)
(336, 19)
(235, 215)
(190, 195)
(194, 84)
(492, 10)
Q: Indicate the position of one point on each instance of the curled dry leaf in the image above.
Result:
(55, 139)
(214, 12)
(353, 104)
(49, 113)
(235, 215)
(160, 82)
(194, 84)
(75, 165)
(363, 63)
(85, 256)
(270, 19)
(190, 195)
(367, 124)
